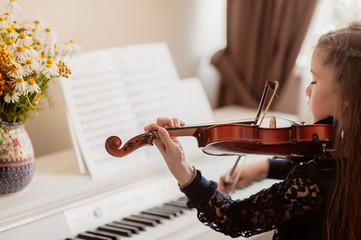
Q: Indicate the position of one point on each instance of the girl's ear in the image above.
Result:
(345, 104)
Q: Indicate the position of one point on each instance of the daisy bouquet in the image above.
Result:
(29, 59)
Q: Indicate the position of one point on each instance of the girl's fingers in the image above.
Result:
(177, 122)
(165, 138)
(151, 126)
(164, 122)
(169, 122)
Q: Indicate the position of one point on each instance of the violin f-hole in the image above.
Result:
(315, 138)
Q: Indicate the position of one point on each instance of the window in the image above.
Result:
(329, 15)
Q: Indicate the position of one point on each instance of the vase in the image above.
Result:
(17, 158)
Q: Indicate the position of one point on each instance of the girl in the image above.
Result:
(317, 199)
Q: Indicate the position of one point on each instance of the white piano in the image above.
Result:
(62, 204)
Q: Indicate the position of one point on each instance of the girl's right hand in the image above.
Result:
(242, 176)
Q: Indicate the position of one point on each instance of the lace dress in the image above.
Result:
(294, 208)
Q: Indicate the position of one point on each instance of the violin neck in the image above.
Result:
(182, 131)
(179, 132)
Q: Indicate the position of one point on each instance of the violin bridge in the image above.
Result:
(272, 122)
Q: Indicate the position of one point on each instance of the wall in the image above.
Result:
(192, 28)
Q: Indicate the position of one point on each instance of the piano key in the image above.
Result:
(90, 236)
(134, 230)
(121, 232)
(174, 208)
(159, 214)
(149, 217)
(147, 222)
(185, 226)
(111, 236)
(140, 226)
(177, 204)
(165, 210)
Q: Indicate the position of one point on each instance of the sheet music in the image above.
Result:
(117, 92)
(150, 79)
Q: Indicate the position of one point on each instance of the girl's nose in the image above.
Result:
(308, 91)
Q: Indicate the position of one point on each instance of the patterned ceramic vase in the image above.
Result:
(16, 159)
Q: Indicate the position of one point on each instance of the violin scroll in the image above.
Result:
(113, 144)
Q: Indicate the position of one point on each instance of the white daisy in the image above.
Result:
(27, 71)
(32, 53)
(32, 86)
(10, 47)
(50, 69)
(3, 23)
(24, 26)
(24, 40)
(16, 74)
(12, 33)
(75, 48)
(20, 85)
(63, 49)
(21, 54)
(13, 5)
(49, 50)
(30, 63)
(11, 97)
(9, 17)
(48, 34)
(29, 67)
(34, 26)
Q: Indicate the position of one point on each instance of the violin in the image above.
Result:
(240, 138)
(244, 137)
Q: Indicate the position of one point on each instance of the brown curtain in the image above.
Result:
(264, 38)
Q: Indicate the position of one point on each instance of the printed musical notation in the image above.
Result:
(118, 91)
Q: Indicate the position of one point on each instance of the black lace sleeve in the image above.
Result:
(279, 167)
(261, 212)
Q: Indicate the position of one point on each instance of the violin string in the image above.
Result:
(237, 121)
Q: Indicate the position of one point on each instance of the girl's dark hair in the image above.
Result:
(343, 52)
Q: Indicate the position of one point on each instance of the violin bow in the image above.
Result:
(269, 85)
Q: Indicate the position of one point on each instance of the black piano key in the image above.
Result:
(111, 236)
(178, 204)
(165, 210)
(121, 232)
(150, 217)
(147, 222)
(159, 214)
(89, 236)
(173, 208)
(134, 230)
(140, 226)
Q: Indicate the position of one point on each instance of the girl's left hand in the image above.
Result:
(172, 150)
